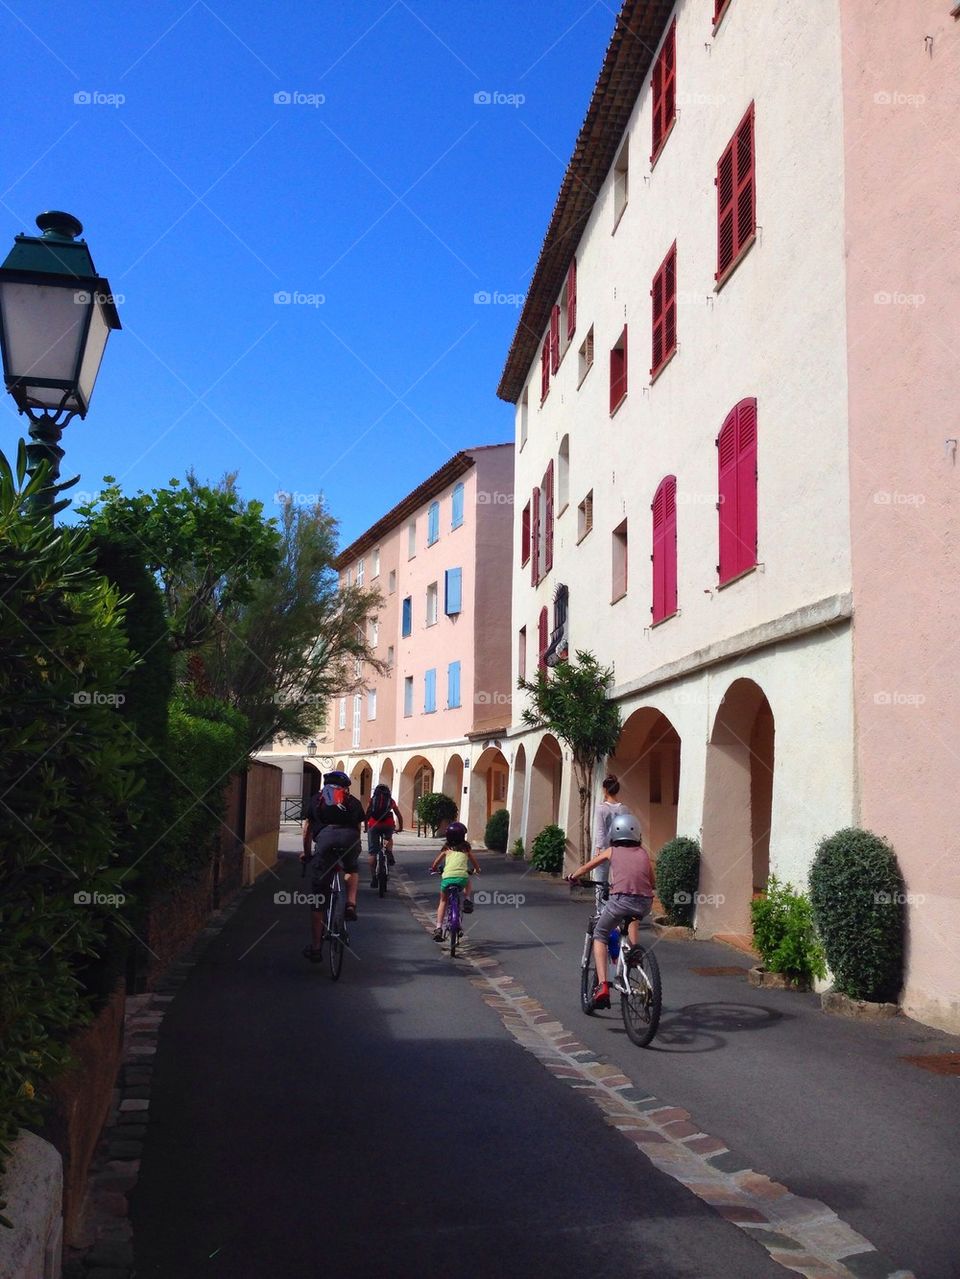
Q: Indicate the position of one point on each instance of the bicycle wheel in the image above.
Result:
(335, 931)
(453, 916)
(588, 982)
(641, 1008)
(382, 873)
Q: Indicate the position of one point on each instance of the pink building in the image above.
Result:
(442, 561)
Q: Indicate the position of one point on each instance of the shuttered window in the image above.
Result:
(525, 535)
(544, 369)
(572, 299)
(618, 371)
(430, 691)
(522, 653)
(456, 506)
(620, 549)
(736, 197)
(406, 625)
(543, 640)
(433, 523)
(408, 695)
(664, 295)
(664, 91)
(548, 520)
(664, 555)
(452, 591)
(535, 537)
(737, 495)
(555, 339)
(453, 685)
(719, 9)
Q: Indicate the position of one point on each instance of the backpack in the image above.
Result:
(380, 804)
(334, 796)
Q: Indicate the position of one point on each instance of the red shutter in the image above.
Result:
(658, 557)
(727, 498)
(555, 339)
(535, 537)
(657, 294)
(624, 374)
(572, 300)
(746, 186)
(746, 484)
(656, 94)
(544, 369)
(525, 535)
(548, 520)
(670, 303)
(670, 546)
(664, 90)
(736, 195)
(542, 640)
(726, 231)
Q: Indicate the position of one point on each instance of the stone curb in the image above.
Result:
(832, 1001)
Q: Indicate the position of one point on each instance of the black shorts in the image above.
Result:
(334, 844)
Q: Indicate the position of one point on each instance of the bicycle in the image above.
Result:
(636, 977)
(334, 921)
(381, 872)
(452, 917)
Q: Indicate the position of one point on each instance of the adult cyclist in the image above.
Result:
(331, 834)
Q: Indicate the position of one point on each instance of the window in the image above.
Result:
(535, 537)
(585, 516)
(390, 657)
(453, 685)
(619, 562)
(433, 523)
(664, 92)
(720, 8)
(342, 713)
(430, 692)
(664, 294)
(618, 372)
(359, 572)
(568, 306)
(432, 604)
(664, 550)
(586, 355)
(563, 475)
(406, 621)
(452, 591)
(357, 709)
(522, 653)
(737, 484)
(372, 704)
(621, 182)
(736, 198)
(543, 640)
(456, 506)
(408, 695)
(411, 539)
(545, 368)
(392, 581)
(374, 632)
(555, 339)
(525, 535)
(524, 416)
(376, 562)
(546, 520)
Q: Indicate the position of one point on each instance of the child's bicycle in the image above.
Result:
(452, 916)
(636, 976)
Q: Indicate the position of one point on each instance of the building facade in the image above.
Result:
(436, 718)
(718, 415)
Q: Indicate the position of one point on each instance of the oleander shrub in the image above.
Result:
(548, 850)
(677, 878)
(497, 831)
(784, 934)
(435, 808)
(857, 895)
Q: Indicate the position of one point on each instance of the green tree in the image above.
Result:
(571, 701)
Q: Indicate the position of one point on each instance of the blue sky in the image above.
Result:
(394, 200)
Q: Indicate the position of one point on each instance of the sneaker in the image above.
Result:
(601, 995)
(468, 908)
(350, 913)
(438, 934)
(391, 860)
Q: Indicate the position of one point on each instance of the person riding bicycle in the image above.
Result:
(458, 861)
(331, 833)
(631, 893)
(380, 826)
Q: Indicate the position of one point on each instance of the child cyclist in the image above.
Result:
(458, 861)
(631, 893)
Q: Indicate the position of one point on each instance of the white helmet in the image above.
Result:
(625, 829)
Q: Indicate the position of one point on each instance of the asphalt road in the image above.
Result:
(389, 1124)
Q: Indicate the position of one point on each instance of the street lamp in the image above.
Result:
(56, 314)
(311, 748)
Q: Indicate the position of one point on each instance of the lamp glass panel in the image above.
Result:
(43, 328)
(96, 344)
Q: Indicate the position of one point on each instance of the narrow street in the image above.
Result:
(414, 1117)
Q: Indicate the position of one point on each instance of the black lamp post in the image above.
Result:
(56, 314)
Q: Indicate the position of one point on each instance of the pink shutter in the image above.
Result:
(746, 412)
(535, 537)
(726, 230)
(572, 299)
(657, 294)
(727, 498)
(548, 520)
(670, 546)
(657, 610)
(555, 339)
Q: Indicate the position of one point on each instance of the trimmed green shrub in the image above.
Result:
(857, 894)
(678, 876)
(434, 808)
(497, 830)
(784, 935)
(548, 850)
(517, 850)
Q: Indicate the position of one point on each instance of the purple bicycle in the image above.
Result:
(452, 916)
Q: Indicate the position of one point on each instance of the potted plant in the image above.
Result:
(784, 935)
(677, 875)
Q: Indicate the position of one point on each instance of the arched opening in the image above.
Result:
(488, 788)
(519, 787)
(453, 780)
(647, 762)
(737, 811)
(415, 780)
(362, 779)
(341, 766)
(546, 777)
(386, 772)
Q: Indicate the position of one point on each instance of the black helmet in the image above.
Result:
(337, 779)
(457, 832)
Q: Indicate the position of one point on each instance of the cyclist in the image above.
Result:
(332, 826)
(458, 861)
(380, 826)
(631, 893)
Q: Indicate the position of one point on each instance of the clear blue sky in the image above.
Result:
(397, 200)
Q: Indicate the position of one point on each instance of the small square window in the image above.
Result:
(619, 562)
(586, 355)
(585, 516)
(432, 604)
(618, 372)
(524, 416)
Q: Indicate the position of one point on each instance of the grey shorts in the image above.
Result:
(620, 906)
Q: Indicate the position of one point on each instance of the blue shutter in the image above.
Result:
(452, 590)
(453, 684)
(457, 507)
(407, 625)
(433, 523)
(430, 691)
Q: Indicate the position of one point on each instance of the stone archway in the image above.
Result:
(546, 778)
(362, 779)
(386, 772)
(489, 779)
(519, 787)
(453, 780)
(647, 762)
(415, 780)
(737, 810)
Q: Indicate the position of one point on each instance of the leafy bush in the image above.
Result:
(784, 935)
(68, 783)
(857, 894)
(549, 849)
(497, 830)
(678, 876)
(434, 808)
(517, 850)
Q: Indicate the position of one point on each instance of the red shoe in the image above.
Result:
(601, 995)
